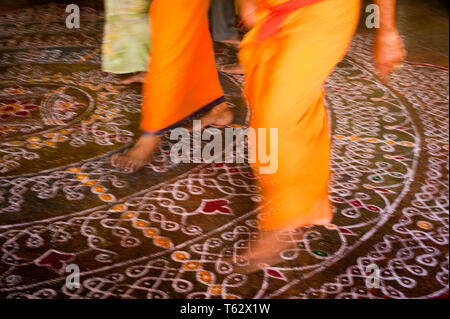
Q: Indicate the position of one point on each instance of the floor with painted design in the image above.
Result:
(166, 232)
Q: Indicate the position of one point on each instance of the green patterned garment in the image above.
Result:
(126, 41)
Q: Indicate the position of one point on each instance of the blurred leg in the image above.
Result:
(285, 75)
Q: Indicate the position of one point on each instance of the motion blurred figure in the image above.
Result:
(182, 79)
(247, 9)
(287, 57)
(126, 41)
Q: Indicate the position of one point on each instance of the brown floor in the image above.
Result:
(423, 24)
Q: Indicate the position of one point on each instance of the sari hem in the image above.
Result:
(203, 109)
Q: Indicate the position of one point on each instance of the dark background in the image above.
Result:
(438, 4)
(13, 4)
(424, 24)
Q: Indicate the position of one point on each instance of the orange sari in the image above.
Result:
(182, 78)
(285, 72)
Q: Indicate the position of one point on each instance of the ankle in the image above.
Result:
(146, 138)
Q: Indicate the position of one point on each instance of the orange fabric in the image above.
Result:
(277, 15)
(182, 76)
(284, 76)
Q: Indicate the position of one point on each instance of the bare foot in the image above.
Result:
(232, 69)
(138, 156)
(218, 116)
(265, 252)
(135, 78)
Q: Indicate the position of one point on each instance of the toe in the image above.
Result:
(113, 160)
(126, 163)
(129, 165)
(122, 162)
(138, 165)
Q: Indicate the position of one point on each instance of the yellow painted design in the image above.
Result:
(14, 143)
(34, 145)
(89, 183)
(128, 215)
(163, 242)
(192, 265)
(81, 177)
(98, 189)
(205, 276)
(107, 197)
(33, 139)
(141, 223)
(151, 232)
(425, 225)
(49, 143)
(180, 256)
(119, 208)
(215, 289)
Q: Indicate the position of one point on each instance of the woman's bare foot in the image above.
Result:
(233, 69)
(135, 78)
(141, 153)
(138, 156)
(265, 252)
(389, 53)
(218, 116)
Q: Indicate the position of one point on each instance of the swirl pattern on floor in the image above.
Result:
(167, 231)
